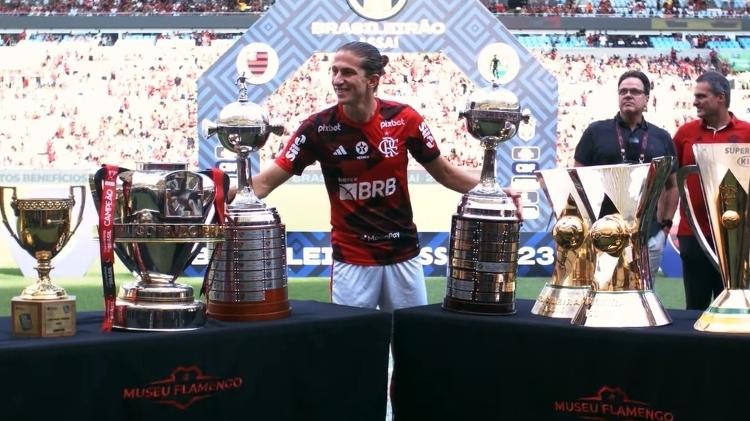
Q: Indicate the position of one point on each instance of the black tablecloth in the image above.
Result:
(450, 366)
(325, 362)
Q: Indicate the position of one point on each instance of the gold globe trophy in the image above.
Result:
(574, 257)
(42, 229)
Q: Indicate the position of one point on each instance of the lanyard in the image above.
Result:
(643, 144)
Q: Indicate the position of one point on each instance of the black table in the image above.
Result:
(325, 362)
(450, 366)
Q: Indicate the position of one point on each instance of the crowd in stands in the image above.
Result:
(77, 104)
(140, 7)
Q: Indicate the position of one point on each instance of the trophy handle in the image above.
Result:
(682, 174)
(83, 203)
(2, 212)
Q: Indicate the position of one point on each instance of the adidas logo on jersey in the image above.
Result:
(340, 151)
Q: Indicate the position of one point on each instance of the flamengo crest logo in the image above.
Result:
(609, 404)
(182, 388)
(376, 9)
(388, 147)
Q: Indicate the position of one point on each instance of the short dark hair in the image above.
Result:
(372, 61)
(717, 83)
(638, 75)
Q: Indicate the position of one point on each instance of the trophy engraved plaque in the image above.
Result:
(160, 218)
(43, 228)
(621, 200)
(574, 258)
(247, 276)
(724, 170)
(483, 251)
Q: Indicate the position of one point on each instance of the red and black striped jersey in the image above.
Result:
(365, 171)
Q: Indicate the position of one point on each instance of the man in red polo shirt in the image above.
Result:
(716, 124)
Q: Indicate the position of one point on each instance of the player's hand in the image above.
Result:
(516, 201)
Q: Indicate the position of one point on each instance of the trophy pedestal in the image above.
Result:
(728, 313)
(640, 308)
(559, 301)
(248, 273)
(43, 318)
(167, 307)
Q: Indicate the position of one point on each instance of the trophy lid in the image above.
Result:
(492, 112)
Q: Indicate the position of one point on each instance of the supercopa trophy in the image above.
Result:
(42, 229)
(483, 250)
(575, 257)
(247, 278)
(158, 217)
(725, 180)
(621, 200)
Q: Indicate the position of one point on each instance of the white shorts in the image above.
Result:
(387, 287)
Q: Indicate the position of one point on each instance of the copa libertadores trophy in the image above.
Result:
(483, 249)
(247, 278)
(154, 218)
(43, 229)
(621, 200)
(574, 257)
(724, 170)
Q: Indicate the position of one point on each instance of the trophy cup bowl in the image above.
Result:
(247, 275)
(574, 258)
(724, 170)
(621, 200)
(161, 215)
(483, 250)
(43, 228)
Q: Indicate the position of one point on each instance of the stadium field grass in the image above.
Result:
(88, 289)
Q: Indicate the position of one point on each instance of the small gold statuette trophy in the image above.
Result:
(575, 257)
(621, 200)
(43, 229)
(725, 181)
(247, 276)
(483, 252)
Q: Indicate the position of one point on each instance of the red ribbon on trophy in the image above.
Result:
(218, 178)
(106, 242)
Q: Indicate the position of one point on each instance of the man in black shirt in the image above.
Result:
(629, 138)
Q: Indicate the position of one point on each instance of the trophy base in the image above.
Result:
(276, 306)
(43, 318)
(484, 309)
(559, 302)
(728, 313)
(621, 309)
(158, 308)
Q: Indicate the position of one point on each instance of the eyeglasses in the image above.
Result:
(631, 91)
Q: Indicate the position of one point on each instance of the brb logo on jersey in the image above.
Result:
(376, 9)
(294, 148)
(367, 189)
(388, 147)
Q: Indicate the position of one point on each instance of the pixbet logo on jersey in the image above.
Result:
(294, 148)
(367, 189)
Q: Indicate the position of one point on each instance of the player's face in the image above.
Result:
(707, 104)
(350, 83)
(632, 96)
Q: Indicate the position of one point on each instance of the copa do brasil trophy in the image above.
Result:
(483, 251)
(154, 218)
(621, 200)
(724, 170)
(43, 228)
(247, 275)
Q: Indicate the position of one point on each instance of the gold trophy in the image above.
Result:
(621, 200)
(575, 257)
(43, 228)
(725, 180)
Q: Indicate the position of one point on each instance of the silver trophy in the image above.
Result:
(483, 250)
(247, 278)
(725, 181)
(574, 257)
(621, 200)
(161, 217)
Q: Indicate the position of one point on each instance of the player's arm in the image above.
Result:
(450, 175)
(269, 178)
